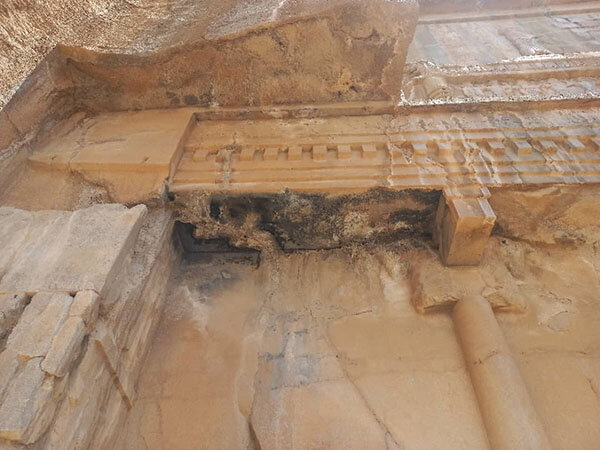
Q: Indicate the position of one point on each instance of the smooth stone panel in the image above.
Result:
(70, 252)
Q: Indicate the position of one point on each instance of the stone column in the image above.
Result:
(510, 419)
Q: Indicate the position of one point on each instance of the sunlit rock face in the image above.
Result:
(126, 57)
(221, 53)
(299, 224)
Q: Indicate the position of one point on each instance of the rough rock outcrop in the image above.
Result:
(300, 53)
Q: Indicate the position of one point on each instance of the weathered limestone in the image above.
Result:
(508, 413)
(86, 305)
(132, 154)
(296, 52)
(65, 347)
(42, 375)
(318, 345)
(111, 361)
(29, 405)
(69, 252)
(39, 324)
(11, 307)
(462, 227)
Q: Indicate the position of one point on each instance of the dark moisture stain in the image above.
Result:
(215, 210)
(315, 221)
(200, 249)
(191, 100)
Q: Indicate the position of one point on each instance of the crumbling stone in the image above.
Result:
(434, 285)
(11, 307)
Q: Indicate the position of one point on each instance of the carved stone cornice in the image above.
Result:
(328, 149)
(428, 152)
(536, 78)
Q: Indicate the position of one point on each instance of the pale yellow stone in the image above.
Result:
(463, 227)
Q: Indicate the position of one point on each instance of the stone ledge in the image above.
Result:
(435, 286)
(70, 251)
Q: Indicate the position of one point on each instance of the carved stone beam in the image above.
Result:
(463, 225)
(508, 413)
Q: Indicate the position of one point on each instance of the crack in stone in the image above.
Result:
(486, 357)
(382, 425)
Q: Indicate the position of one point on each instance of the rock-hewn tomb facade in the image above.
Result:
(277, 224)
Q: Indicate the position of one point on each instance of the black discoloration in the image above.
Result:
(191, 100)
(315, 221)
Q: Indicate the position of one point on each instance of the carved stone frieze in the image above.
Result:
(330, 151)
(358, 153)
(536, 78)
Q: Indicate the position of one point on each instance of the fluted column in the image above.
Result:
(508, 413)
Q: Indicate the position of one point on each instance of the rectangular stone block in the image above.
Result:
(496, 147)
(271, 153)
(247, 153)
(575, 145)
(523, 148)
(344, 152)
(319, 153)
(463, 227)
(65, 347)
(39, 323)
(419, 148)
(74, 251)
(295, 153)
(86, 305)
(444, 148)
(369, 151)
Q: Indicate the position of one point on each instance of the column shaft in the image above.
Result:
(508, 413)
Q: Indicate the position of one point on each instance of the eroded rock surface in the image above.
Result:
(83, 292)
(325, 349)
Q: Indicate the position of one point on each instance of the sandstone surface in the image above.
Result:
(326, 236)
(324, 348)
(68, 252)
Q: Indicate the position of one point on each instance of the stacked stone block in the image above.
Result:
(66, 280)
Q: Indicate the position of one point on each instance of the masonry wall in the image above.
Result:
(81, 294)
